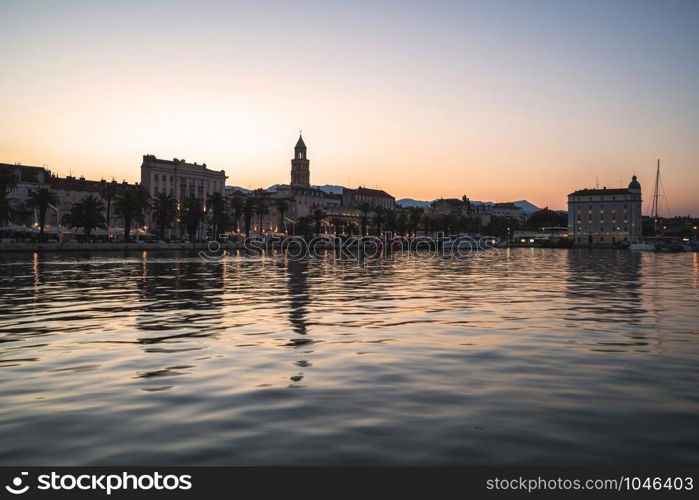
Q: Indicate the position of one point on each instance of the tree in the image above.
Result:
(282, 207)
(260, 206)
(248, 212)
(8, 183)
(547, 218)
(132, 204)
(86, 214)
(379, 218)
(303, 227)
(237, 205)
(318, 215)
(219, 218)
(164, 212)
(40, 200)
(501, 227)
(338, 223)
(402, 222)
(391, 220)
(414, 217)
(365, 209)
(191, 215)
(108, 191)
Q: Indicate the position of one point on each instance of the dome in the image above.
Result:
(634, 184)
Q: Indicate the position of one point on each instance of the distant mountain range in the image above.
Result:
(327, 188)
(409, 202)
(527, 207)
(238, 188)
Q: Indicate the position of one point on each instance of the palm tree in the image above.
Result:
(402, 222)
(391, 220)
(237, 204)
(219, 220)
(191, 215)
(86, 214)
(40, 200)
(414, 217)
(337, 222)
(108, 191)
(365, 208)
(318, 216)
(248, 211)
(261, 209)
(164, 212)
(282, 207)
(379, 217)
(303, 226)
(132, 204)
(8, 182)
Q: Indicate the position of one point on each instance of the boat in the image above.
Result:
(642, 247)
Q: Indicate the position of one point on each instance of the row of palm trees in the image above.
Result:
(131, 204)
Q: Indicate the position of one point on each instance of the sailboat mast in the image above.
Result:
(654, 212)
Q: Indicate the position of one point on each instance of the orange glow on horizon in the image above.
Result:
(414, 104)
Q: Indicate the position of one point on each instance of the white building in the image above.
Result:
(605, 216)
(180, 178)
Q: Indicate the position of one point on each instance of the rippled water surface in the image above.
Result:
(527, 356)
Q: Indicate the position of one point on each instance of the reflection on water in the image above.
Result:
(528, 356)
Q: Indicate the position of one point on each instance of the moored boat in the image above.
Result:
(642, 247)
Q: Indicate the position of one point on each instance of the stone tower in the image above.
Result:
(300, 173)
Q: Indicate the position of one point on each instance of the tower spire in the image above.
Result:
(300, 172)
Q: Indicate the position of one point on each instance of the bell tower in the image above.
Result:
(300, 172)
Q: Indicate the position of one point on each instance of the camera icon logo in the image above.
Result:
(16, 487)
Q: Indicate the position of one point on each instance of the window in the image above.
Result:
(156, 177)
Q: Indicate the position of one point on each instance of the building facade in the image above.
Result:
(180, 178)
(450, 206)
(508, 211)
(29, 179)
(354, 198)
(67, 190)
(605, 216)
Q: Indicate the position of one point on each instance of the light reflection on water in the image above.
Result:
(530, 356)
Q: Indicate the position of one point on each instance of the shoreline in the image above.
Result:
(109, 247)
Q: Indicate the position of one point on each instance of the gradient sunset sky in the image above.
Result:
(496, 100)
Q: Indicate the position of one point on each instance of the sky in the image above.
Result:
(497, 100)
